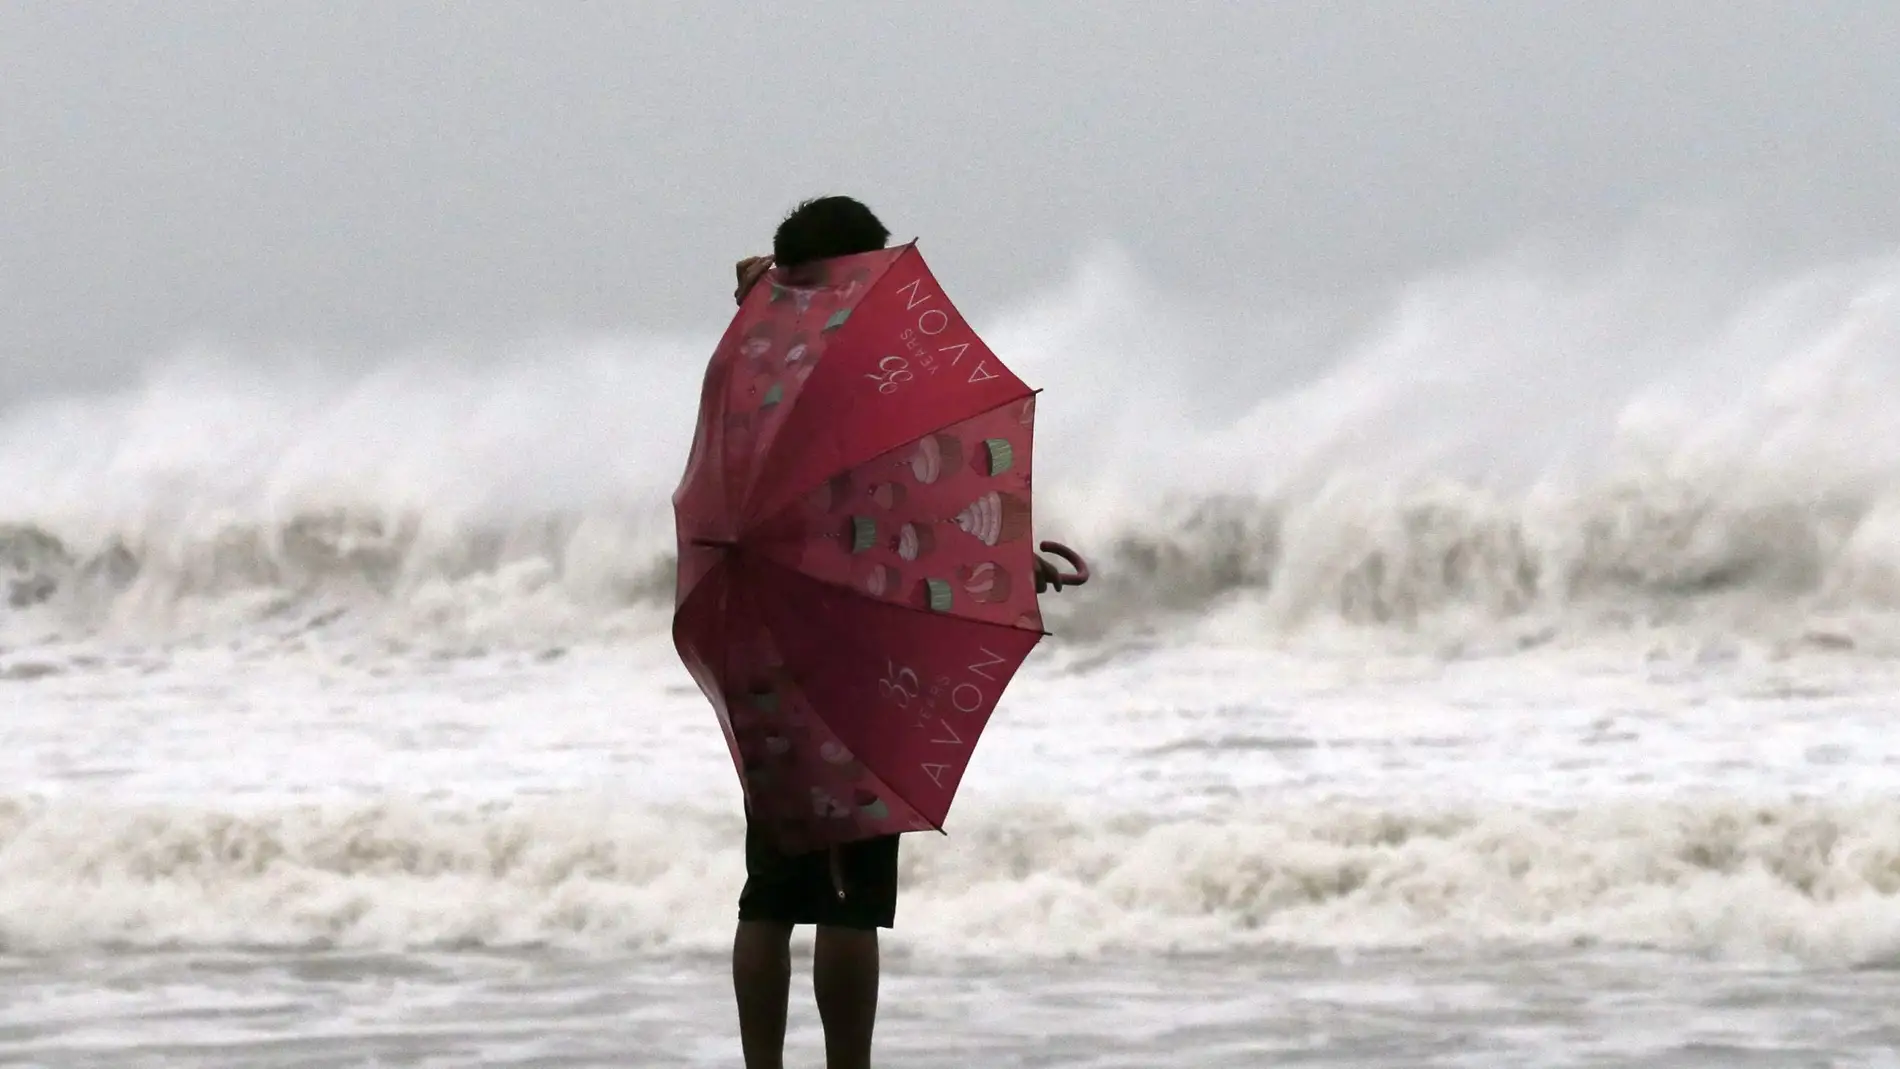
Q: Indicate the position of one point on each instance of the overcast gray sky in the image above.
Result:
(369, 175)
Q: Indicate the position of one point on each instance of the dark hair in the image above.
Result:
(825, 227)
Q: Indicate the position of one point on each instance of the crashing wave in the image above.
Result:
(1619, 555)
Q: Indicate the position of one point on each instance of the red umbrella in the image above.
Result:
(856, 578)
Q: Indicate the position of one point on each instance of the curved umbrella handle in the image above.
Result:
(1075, 578)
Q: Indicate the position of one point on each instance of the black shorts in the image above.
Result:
(797, 888)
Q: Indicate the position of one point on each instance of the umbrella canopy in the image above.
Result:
(856, 579)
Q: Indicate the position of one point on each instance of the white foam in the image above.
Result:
(1814, 881)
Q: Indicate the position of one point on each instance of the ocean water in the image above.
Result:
(1505, 677)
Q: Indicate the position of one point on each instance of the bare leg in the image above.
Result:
(844, 977)
(762, 982)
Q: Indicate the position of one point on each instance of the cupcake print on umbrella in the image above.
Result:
(860, 533)
(767, 391)
(935, 595)
(914, 540)
(998, 456)
(782, 748)
(825, 806)
(761, 700)
(936, 456)
(871, 807)
(798, 353)
(758, 342)
(769, 755)
(880, 580)
(995, 518)
(887, 495)
(840, 759)
(987, 582)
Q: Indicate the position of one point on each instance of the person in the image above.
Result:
(783, 891)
